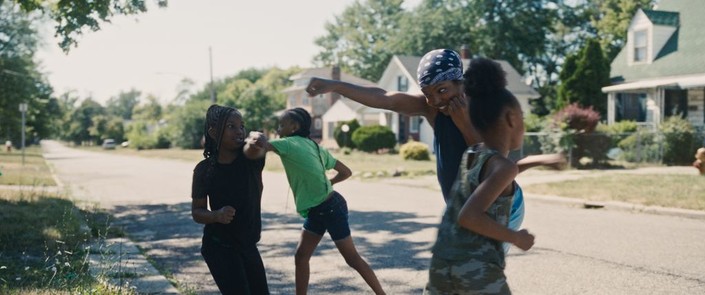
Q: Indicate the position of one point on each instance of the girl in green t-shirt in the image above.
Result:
(305, 164)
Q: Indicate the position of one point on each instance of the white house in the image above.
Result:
(660, 72)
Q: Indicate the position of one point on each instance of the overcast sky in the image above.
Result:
(152, 52)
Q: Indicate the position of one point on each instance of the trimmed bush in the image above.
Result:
(414, 150)
(679, 141)
(343, 139)
(373, 138)
(641, 146)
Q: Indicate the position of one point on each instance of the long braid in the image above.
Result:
(216, 117)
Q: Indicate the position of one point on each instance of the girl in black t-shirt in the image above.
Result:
(232, 185)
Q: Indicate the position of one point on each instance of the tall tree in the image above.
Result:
(20, 79)
(435, 24)
(584, 84)
(74, 17)
(512, 30)
(148, 111)
(123, 104)
(80, 121)
(258, 105)
(359, 39)
(569, 27)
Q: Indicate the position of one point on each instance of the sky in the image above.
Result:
(153, 51)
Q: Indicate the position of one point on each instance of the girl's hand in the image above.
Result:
(225, 215)
(524, 240)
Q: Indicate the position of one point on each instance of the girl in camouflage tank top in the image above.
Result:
(468, 257)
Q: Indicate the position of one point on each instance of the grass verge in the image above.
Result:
(676, 191)
(43, 245)
(363, 165)
(34, 172)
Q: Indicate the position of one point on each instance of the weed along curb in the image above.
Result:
(119, 263)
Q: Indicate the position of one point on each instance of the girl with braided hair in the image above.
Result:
(305, 164)
(231, 184)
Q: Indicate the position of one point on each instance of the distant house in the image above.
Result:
(400, 75)
(660, 72)
(317, 106)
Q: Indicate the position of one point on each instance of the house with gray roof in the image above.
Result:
(660, 72)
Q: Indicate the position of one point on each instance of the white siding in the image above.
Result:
(639, 22)
(696, 106)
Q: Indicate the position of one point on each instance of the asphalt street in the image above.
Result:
(577, 251)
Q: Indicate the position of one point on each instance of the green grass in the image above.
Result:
(363, 165)
(34, 172)
(43, 247)
(676, 191)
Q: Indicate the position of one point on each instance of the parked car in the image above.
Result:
(109, 144)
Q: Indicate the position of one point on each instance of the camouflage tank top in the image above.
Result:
(458, 243)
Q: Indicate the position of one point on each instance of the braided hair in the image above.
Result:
(303, 118)
(216, 117)
(486, 85)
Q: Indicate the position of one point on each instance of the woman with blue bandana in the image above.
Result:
(444, 105)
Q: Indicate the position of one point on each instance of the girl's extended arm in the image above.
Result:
(201, 214)
(343, 172)
(500, 175)
(400, 102)
(554, 161)
(257, 145)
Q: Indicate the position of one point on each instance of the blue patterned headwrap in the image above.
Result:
(439, 65)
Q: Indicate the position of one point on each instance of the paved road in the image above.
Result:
(578, 251)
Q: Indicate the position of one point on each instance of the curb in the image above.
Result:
(119, 263)
(621, 206)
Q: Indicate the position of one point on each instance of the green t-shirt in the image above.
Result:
(305, 164)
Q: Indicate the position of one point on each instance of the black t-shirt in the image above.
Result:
(449, 145)
(238, 184)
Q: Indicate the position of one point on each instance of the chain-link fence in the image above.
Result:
(646, 145)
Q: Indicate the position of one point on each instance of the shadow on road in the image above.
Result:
(171, 238)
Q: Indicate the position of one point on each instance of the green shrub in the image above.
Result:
(373, 138)
(641, 146)
(678, 141)
(344, 139)
(618, 131)
(414, 150)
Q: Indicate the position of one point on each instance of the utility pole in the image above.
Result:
(23, 110)
(210, 57)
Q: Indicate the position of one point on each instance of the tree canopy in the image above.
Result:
(75, 17)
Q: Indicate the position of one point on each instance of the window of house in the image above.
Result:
(414, 124)
(676, 103)
(304, 99)
(630, 107)
(640, 43)
(292, 101)
(318, 123)
(331, 129)
(402, 84)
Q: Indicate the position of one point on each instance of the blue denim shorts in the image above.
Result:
(331, 216)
